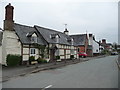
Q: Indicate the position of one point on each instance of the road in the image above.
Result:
(96, 73)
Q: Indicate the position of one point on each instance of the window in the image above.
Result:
(78, 49)
(57, 39)
(96, 50)
(72, 41)
(34, 39)
(32, 51)
(72, 51)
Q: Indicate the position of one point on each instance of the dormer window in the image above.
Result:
(55, 37)
(72, 41)
(32, 36)
(34, 39)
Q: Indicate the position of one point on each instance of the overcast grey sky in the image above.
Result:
(99, 18)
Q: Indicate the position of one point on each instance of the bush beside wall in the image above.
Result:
(13, 60)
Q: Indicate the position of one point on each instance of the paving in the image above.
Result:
(8, 73)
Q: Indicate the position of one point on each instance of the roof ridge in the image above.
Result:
(23, 25)
(48, 29)
(77, 34)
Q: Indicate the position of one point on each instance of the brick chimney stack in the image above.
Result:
(103, 41)
(8, 22)
(9, 12)
(90, 35)
(66, 31)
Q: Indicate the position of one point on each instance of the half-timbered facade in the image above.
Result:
(30, 41)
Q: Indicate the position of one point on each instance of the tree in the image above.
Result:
(115, 46)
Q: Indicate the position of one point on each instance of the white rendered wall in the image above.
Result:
(95, 47)
(90, 40)
(26, 54)
(10, 45)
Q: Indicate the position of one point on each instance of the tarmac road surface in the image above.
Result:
(96, 73)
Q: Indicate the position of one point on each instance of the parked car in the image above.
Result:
(114, 53)
(82, 54)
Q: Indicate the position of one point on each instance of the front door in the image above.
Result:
(65, 53)
(52, 55)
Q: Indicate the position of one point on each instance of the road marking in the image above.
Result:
(48, 86)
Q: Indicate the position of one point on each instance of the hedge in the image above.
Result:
(71, 56)
(57, 57)
(13, 60)
(41, 60)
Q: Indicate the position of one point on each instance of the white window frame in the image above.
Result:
(32, 52)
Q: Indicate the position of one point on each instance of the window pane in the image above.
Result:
(32, 51)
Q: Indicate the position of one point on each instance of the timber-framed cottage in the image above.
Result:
(29, 41)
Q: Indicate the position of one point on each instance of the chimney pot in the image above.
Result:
(9, 4)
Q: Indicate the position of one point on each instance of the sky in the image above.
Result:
(99, 17)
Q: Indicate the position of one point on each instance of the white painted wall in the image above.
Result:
(110, 48)
(25, 50)
(10, 44)
(94, 44)
(90, 40)
(61, 51)
(95, 47)
(25, 57)
(26, 54)
(36, 53)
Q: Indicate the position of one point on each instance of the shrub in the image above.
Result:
(71, 56)
(42, 55)
(57, 57)
(44, 61)
(41, 60)
(13, 60)
(31, 58)
(105, 52)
